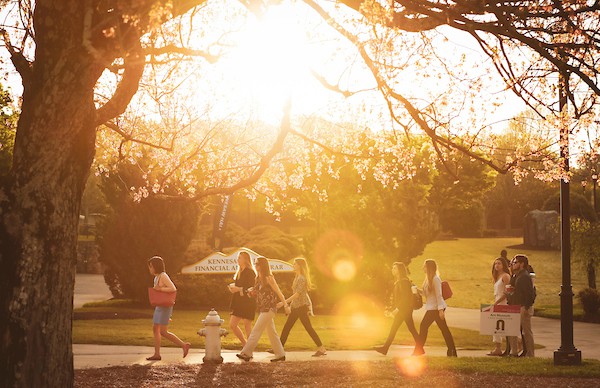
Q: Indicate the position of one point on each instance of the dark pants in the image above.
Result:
(402, 316)
(430, 317)
(302, 313)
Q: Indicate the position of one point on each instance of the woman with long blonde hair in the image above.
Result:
(267, 292)
(243, 306)
(301, 306)
(436, 307)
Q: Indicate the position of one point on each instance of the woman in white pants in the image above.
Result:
(267, 292)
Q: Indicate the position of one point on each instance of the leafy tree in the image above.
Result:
(457, 194)
(580, 206)
(514, 195)
(61, 64)
(585, 245)
(8, 129)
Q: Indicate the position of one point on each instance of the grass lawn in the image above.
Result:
(335, 332)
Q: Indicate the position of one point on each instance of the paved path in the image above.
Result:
(90, 288)
(546, 331)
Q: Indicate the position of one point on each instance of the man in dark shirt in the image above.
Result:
(523, 295)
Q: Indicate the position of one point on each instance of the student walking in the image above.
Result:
(267, 292)
(162, 314)
(403, 304)
(436, 307)
(301, 306)
(243, 306)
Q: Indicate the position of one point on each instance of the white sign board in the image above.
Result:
(218, 262)
(502, 320)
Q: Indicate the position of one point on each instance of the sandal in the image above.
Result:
(153, 358)
(494, 353)
(320, 353)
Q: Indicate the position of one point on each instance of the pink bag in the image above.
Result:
(162, 299)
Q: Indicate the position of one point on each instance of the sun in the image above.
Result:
(272, 61)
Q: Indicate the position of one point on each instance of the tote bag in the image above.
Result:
(162, 299)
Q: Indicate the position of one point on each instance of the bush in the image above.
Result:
(590, 300)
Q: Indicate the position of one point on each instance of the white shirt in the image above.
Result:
(434, 300)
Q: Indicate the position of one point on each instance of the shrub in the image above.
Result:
(590, 300)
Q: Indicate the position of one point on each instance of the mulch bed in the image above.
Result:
(305, 374)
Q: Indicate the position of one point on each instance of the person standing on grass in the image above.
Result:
(500, 279)
(436, 307)
(301, 306)
(403, 304)
(267, 291)
(162, 314)
(243, 306)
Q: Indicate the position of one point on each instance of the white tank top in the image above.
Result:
(499, 290)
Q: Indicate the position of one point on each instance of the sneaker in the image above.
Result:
(282, 358)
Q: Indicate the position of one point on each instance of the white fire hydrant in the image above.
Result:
(213, 332)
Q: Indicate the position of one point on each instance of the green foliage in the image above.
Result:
(585, 244)
(507, 203)
(137, 231)
(580, 206)
(133, 232)
(457, 194)
(364, 225)
(590, 300)
(8, 130)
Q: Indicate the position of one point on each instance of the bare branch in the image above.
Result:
(128, 138)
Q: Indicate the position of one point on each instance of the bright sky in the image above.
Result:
(272, 59)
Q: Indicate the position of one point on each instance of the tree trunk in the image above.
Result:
(591, 274)
(39, 201)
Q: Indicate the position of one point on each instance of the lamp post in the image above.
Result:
(567, 354)
(595, 182)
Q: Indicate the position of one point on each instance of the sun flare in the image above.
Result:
(272, 62)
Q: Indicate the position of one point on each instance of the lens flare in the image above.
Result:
(338, 254)
(411, 366)
(344, 270)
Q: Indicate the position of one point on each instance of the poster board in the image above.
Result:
(502, 320)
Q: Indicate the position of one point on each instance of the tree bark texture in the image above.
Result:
(39, 203)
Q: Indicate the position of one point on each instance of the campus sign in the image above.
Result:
(220, 263)
(502, 320)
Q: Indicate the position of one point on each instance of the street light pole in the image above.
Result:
(567, 354)
(595, 181)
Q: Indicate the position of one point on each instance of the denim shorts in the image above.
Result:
(162, 315)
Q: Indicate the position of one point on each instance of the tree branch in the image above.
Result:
(127, 88)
